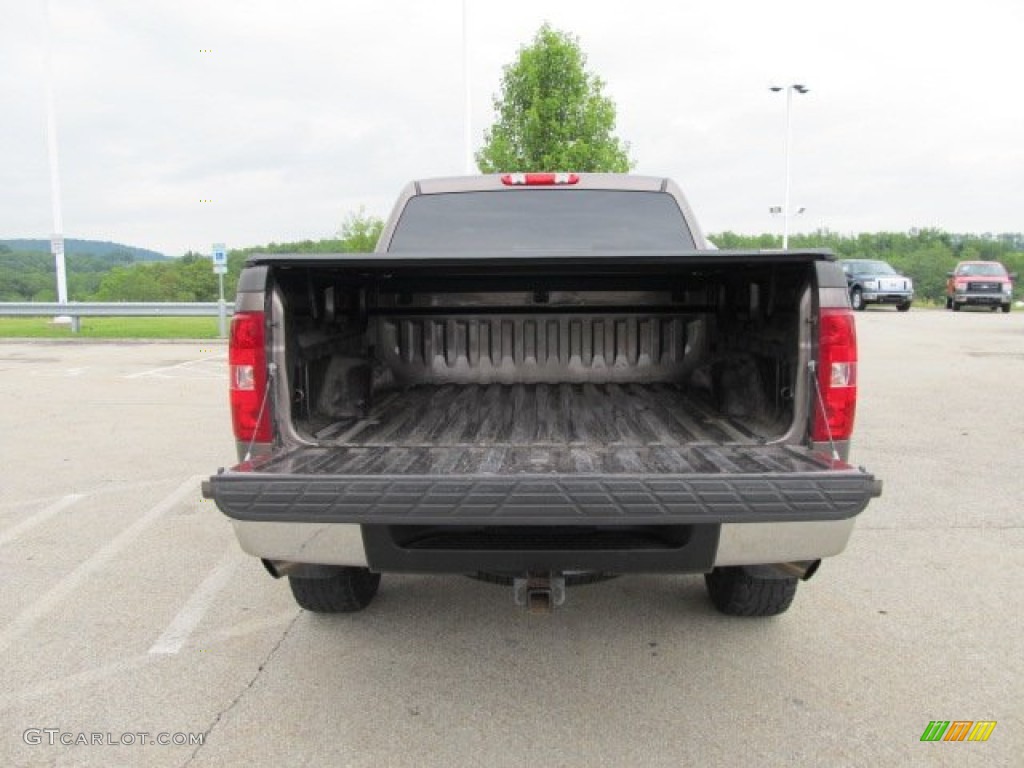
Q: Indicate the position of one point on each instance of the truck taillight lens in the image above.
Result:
(247, 363)
(837, 376)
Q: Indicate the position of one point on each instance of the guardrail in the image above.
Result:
(79, 309)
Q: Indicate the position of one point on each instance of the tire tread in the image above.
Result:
(352, 589)
(735, 592)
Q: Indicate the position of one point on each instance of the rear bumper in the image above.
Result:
(553, 500)
(738, 543)
(802, 507)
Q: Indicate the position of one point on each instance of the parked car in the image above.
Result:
(979, 283)
(871, 281)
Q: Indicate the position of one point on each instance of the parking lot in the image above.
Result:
(129, 614)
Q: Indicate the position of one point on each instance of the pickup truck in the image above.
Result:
(540, 380)
(979, 284)
(875, 282)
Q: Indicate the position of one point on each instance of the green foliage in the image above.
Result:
(360, 233)
(552, 114)
(76, 247)
(925, 255)
(30, 275)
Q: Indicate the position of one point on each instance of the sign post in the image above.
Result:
(220, 268)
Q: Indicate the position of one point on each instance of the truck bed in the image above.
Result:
(543, 389)
(537, 428)
(642, 454)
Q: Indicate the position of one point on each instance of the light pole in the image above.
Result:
(789, 89)
(468, 108)
(57, 238)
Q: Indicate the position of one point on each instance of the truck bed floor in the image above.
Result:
(540, 428)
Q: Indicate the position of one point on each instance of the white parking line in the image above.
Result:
(123, 667)
(158, 372)
(41, 516)
(28, 617)
(94, 491)
(198, 604)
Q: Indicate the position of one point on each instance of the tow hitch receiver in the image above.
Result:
(539, 592)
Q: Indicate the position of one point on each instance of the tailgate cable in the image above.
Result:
(271, 370)
(813, 366)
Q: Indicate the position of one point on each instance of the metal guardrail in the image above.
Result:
(79, 309)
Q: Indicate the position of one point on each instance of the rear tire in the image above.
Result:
(735, 592)
(350, 590)
(956, 306)
(905, 307)
(1006, 307)
(949, 303)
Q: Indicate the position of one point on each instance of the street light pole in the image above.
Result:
(57, 238)
(789, 132)
(468, 107)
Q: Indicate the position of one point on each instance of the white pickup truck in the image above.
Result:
(542, 379)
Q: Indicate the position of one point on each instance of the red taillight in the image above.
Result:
(837, 376)
(247, 365)
(539, 179)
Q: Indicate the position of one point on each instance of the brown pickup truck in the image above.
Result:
(543, 379)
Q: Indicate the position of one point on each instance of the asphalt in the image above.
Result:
(128, 609)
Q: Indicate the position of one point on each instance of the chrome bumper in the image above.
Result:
(739, 543)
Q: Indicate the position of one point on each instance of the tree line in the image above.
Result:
(118, 276)
(925, 255)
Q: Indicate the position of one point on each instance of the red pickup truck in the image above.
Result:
(981, 283)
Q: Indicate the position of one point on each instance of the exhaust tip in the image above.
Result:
(802, 569)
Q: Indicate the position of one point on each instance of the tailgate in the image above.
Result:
(727, 484)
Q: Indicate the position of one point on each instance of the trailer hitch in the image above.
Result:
(539, 593)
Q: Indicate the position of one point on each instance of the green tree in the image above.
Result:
(360, 233)
(552, 114)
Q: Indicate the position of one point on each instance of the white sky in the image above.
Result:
(306, 110)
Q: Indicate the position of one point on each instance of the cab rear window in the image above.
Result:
(544, 220)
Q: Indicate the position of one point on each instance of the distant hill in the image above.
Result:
(87, 248)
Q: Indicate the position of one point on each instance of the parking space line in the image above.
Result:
(188, 618)
(122, 667)
(28, 617)
(167, 368)
(41, 516)
(94, 491)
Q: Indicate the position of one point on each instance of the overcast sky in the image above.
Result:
(286, 116)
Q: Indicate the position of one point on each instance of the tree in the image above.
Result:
(552, 114)
(360, 233)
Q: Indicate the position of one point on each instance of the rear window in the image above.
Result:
(542, 220)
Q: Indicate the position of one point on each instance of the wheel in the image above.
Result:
(904, 307)
(349, 590)
(857, 299)
(993, 308)
(1006, 307)
(735, 592)
(956, 306)
(949, 303)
